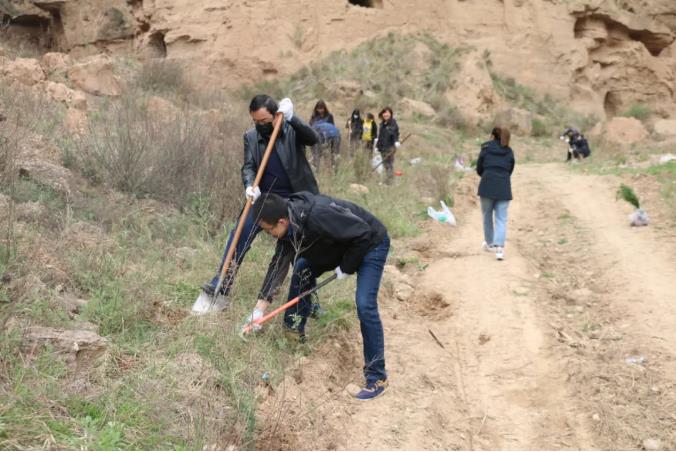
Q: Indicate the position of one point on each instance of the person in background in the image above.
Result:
(495, 166)
(578, 147)
(370, 131)
(387, 142)
(354, 128)
(329, 140)
(321, 113)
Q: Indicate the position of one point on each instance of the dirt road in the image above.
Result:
(567, 344)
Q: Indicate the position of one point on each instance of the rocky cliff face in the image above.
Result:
(600, 55)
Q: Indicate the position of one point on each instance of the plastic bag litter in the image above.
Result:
(415, 161)
(444, 216)
(459, 165)
(376, 162)
(666, 158)
(639, 218)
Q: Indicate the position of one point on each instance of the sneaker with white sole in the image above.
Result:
(499, 253)
(372, 390)
(486, 247)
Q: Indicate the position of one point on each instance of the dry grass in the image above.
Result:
(623, 403)
(178, 156)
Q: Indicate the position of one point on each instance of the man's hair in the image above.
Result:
(263, 100)
(270, 208)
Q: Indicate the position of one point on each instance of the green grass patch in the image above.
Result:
(638, 111)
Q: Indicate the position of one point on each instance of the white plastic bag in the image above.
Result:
(639, 218)
(376, 162)
(444, 216)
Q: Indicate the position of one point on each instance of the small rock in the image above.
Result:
(625, 130)
(54, 61)
(358, 189)
(652, 444)
(95, 76)
(596, 417)
(26, 71)
(79, 346)
(579, 308)
(666, 127)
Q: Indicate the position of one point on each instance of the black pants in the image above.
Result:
(388, 163)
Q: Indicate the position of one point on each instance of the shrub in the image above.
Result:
(178, 158)
(162, 76)
(638, 111)
(441, 183)
(539, 128)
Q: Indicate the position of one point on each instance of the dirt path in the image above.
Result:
(531, 352)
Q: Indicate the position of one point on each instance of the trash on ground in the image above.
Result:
(639, 218)
(398, 173)
(459, 165)
(415, 161)
(376, 162)
(635, 360)
(444, 216)
(666, 158)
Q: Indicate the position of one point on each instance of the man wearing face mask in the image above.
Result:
(287, 171)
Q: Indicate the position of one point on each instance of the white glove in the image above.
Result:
(286, 108)
(340, 274)
(397, 144)
(375, 144)
(255, 315)
(253, 192)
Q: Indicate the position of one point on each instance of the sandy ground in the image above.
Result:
(530, 353)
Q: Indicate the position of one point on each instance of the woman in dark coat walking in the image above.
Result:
(495, 166)
(387, 142)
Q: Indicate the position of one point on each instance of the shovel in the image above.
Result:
(205, 303)
(249, 326)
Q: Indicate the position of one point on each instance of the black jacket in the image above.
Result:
(293, 137)
(326, 231)
(388, 135)
(495, 166)
(580, 145)
(356, 127)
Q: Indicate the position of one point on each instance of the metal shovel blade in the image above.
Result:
(205, 304)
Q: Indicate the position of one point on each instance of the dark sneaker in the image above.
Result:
(372, 390)
(208, 289)
(316, 310)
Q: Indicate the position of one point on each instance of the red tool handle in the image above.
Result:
(248, 327)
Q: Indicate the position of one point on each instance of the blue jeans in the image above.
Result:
(249, 233)
(369, 274)
(494, 235)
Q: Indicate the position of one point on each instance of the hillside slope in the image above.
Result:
(601, 56)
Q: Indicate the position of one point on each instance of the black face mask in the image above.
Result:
(265, 130)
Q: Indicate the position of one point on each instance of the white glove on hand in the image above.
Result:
(253, 192)
(397, 144)
(255, 315)
(340, 274)
(286, 108)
